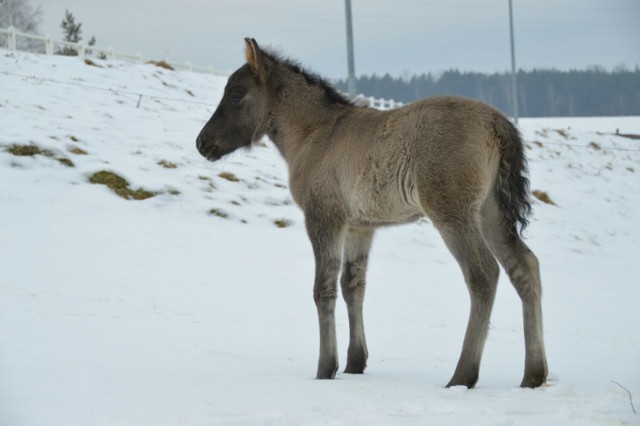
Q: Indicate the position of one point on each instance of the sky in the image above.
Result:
(400, 37)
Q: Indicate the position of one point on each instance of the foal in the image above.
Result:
(351, 170)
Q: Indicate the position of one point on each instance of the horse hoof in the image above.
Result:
(533, 381)
(355, 368)
(458, 381)
(325, 373)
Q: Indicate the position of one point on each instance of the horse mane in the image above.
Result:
(331, 93)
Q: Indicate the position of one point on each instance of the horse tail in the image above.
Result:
(512, 185)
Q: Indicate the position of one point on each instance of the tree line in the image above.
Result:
(541, 93)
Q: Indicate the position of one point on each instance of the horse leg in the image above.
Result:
(523, 270)
(354, 268)
(326, 237)
(480, 271)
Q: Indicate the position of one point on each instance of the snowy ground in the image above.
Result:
(163, 312)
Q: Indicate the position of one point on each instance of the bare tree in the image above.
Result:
(25, 17)
(21, 15)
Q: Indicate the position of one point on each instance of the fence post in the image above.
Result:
(11, 39)
(48, 45)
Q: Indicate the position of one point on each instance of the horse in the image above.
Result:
(353, 169)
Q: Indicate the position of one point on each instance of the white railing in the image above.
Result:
(383, 104)
(83, 51)
(109, 54)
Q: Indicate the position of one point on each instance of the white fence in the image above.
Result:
(48, 44)
(82, 50)
(383, 104)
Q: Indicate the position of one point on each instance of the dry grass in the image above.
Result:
(162, 64)
(120, 186)
(65, 161)
(229, 176)
(219, 213)
(167, 164)
(543, 196)
(27, 151)
(283, 223)
(33, 150)
(91, 63)
(595, 146)
(78, 151)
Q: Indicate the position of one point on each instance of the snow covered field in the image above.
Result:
(194, 308)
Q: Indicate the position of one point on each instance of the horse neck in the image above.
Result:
(301, 114)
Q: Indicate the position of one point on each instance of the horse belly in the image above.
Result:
(382, 202)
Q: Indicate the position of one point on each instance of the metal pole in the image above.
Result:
(350, 60)
(514, 84)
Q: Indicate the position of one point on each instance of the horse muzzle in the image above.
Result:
(209, 151)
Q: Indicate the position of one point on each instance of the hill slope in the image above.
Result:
(194, 307)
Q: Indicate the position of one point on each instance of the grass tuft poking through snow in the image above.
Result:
(78, 151)
(120, 186)
(218, 213)
(167, 164)
(543, 196)
(162, 64)
(283, 223)
(229, 176)
(28, 151)
(66, 162)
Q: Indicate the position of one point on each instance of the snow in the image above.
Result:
(123, 312)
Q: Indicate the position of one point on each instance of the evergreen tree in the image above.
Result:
(72, 32)
(541, 93)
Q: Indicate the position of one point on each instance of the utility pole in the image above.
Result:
(350, 60)
(514, 84)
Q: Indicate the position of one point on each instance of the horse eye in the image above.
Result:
(236, 98)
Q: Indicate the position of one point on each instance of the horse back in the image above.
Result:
(383, 167)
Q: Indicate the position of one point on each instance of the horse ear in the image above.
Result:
(255, 58)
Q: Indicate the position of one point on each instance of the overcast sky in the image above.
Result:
(400, 37)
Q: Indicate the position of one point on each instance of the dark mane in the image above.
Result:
(330, 92)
